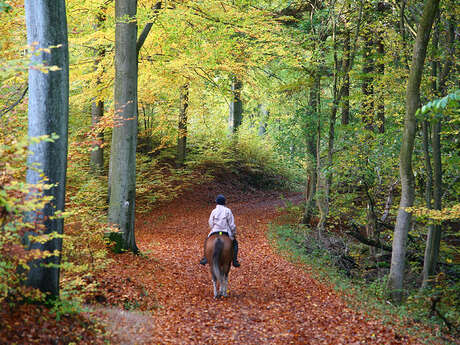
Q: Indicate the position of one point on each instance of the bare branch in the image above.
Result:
(7, 109)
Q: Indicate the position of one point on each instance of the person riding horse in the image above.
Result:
(221, 220)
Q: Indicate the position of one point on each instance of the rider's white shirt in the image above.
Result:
(221, 219)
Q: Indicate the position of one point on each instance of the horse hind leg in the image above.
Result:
(223, 286)
(214, 283)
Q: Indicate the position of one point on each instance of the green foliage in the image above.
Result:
(248, 156)
(64, 306)
(439, 108)
(16, 199)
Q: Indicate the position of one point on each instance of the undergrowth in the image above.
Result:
(413, 317)
(247, 157)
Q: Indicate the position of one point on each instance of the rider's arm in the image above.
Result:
(211, 220)
(231, 222)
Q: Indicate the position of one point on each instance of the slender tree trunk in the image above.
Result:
(182, 132)
(324, 182)
(236, 105)
(264, 114)
(346, 81)
(48, 113)
(311, 142)
(97, 153)
(97, 107)
(321, 184)
(367, 84)
(124, 137)
(434, 234)
(428, 267)
(380, 100)
(403, 220)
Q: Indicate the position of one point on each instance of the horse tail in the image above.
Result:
(218, 247)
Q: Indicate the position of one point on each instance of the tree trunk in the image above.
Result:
(321, 184)
(182, 128)
(97, 107)
(346, 81)
(48, 111)
(236, 105)
(264, 114)
(367, 84)
(310, 190)
(124, 136)
(380, 100)
(428, 267)
(403, 220)
(434, 234)
(97, 153)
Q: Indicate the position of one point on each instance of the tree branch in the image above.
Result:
(374, 243)
(7, 109)
(146, 30)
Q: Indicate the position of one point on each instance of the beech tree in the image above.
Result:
(124, 137)
(182, 125)
(236, 105)
(403, 220)
(48, 111)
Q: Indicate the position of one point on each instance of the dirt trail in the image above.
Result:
(272, 301)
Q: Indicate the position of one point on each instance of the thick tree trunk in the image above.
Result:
(182, 126)
(403, 220)
(236, 105)
(124, 136)
(48, 113)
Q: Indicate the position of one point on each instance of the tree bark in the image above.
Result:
(403, 220)
(380, 100)
(124, 136)
(346, 81)
(182, 127)
(97, 153)
(97, 107)
(367, 86)
(434, 233)
(236, 105)
(264, 114)
(310, 190)
(48, 111)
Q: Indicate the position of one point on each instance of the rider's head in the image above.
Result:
(220, 199)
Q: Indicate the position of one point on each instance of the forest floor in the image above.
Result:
(164, 296)
(271, 300)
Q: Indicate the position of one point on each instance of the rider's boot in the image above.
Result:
(204, 261)
(235, 253)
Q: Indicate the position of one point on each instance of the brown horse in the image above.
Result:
(219, 253)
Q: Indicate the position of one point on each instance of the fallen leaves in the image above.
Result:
(165, 297)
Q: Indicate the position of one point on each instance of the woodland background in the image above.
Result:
(306, 96)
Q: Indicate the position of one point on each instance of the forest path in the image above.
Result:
(271, 300)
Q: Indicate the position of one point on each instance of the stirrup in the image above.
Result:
(203, 261)
(236, 263)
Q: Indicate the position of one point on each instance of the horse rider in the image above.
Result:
(221, 220)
